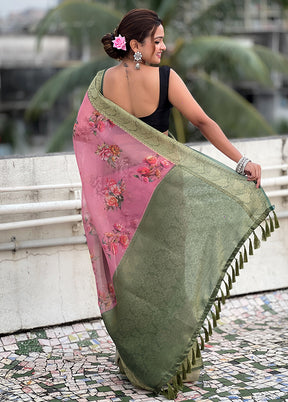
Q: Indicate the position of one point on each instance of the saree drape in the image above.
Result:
(167, 229)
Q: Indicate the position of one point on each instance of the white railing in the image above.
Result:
(75, 206)
(14, 245)
(71, 186)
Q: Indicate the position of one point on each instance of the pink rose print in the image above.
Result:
(109, 153)
(152, 160)
(118, 227)
(98, 122)
(113, 193)
(118, 237)
(111, 202)
(124, 240)
(153, 171)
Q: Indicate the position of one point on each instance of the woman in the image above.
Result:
(166, 226)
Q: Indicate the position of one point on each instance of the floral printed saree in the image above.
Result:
(168, 230)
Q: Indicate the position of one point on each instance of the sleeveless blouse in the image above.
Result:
(159, 119)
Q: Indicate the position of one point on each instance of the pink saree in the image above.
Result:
(168, 231)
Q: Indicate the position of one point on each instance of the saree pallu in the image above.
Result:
(168, 230)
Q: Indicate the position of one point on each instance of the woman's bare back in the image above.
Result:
(136, 91)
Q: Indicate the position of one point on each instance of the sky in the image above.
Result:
(9, 6)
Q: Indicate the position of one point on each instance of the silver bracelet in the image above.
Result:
(240, 168)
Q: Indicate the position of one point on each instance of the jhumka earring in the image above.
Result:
(137, 58)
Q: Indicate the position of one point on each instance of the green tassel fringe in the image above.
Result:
(174, 382)
(193, 357)
(209, 327)
(264, 238)
(223, 298)
(179, 380)
(271, 224)
(245, 254)
(219, 305)
(256, 241)
(202, 342)
(184, 373)
(229, 281)
(171, 392)
(267, 229)
(217, 312)
(206, 334)
(186, 367)
(227, 289)
(237, 268)
(198, 354)
(241, 262)
(233, 275)
(276, 221)
(250, 247)
(214, 319)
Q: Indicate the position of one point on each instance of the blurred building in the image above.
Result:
(257, 22)
(24, 68)
(265, 23)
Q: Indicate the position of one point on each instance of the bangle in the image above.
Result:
(240, 168)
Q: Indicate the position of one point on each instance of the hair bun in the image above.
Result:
(110, 49)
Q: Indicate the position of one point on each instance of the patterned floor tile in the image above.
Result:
(246, 360)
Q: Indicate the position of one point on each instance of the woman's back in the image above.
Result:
(136, 91)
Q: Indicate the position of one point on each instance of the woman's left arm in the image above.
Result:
(181, 98)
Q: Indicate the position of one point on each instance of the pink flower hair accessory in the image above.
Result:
(119, 42)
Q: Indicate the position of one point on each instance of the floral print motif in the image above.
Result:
(152, 170)
(113, 193)
(109, 153)
(107, 299)
(98, 122)
(90, 228)
(111, 241)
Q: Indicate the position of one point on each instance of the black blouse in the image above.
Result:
(159, 119)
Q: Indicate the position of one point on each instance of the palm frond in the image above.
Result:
(230, 59)
(236, 116)
(273, 60)
(63, 83)
(79, 20)
(212, 18)
(166, 9)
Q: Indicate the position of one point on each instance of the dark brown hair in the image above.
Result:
(136, 24)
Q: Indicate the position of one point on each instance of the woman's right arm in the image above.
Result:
(181, 98)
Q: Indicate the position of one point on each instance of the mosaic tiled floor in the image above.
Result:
(246, 360)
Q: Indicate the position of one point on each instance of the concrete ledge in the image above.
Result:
(52, 285)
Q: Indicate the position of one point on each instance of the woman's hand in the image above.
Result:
(253, 172)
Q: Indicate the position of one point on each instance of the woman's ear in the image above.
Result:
(134, 45)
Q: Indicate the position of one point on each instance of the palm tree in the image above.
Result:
(203, 61)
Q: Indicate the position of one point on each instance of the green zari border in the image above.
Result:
(178, 153)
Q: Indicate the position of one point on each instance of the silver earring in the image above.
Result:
(137, 57)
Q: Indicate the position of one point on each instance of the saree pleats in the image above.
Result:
(182, 228)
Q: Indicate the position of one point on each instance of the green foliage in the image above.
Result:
(230, 59)
(205, 57)
(281, 126)
(7, 131)
(211, 19)
(83, 21)
(63, 83)
(237, 117)
(63, 135)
